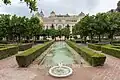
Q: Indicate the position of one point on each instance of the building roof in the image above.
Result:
(67, 15)
(82, 14)
(52, 12)
(41, 13)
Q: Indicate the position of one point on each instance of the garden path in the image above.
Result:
(110, 71)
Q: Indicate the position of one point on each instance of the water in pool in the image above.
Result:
(59, 53)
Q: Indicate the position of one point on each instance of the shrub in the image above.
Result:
(75, 37)
(41, 41)
(95, 46)
(23, 47)
(115, 41)
(3, 42)
(95, 59)
(27, 57)
(1, 46)
(111, 50)
(116, 44)
(26, 41)
(77, 41)
(8, 51)
(93, 41)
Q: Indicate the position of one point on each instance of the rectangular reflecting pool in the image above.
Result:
(59, 53)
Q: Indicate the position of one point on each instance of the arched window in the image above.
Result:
(59, 27)
(52, 26)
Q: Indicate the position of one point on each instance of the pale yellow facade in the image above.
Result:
(60, 21)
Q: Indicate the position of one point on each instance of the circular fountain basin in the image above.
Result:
(62, 71)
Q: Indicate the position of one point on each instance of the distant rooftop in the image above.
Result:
(53, 14)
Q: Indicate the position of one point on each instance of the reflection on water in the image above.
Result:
(59, 53)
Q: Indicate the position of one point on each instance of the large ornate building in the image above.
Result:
(60, 21)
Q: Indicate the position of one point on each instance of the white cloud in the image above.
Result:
(61, 6)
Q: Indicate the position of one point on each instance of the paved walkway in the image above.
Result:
(110, 71)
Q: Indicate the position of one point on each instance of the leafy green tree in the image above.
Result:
(101, 21)
(5, 25)
(113, 22)
(15, 28)
(35, 27)
(32, 4)
(66, 31)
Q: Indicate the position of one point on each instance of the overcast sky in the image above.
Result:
(61, 6)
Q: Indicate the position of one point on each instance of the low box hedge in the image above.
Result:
(27, 57)
(93, 41)
(78, 41)
(95, 46)
(82, 41)
(21, 46)
(27, 41)
(26, 46)
(95, 59)
(8, 51)
(116, 44)
(3, 42)
(40, 41)
(111, 50)
(1, 46)
(116, 41)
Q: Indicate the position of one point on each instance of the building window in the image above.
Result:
(59, 27)
(59, 20)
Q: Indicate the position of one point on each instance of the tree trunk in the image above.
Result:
(111, 39)
(35, 38)
(99, 38)
(91, 36)
(85, 39)
(19, 38)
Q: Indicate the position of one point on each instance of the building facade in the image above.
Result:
(60, 21)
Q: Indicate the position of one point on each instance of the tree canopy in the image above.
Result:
(101, 24)
(32, 4)
(17, 27)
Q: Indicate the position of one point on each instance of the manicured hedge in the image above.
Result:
(78, 41)
(82, 41)
(26, 46)
(118, 44)
(41, 41)
(95, 46)
(27, 41)
(3, 42)
(93, 41)
(115, 41)
(95, 59)
(8, 51)
(27, 57)
(21, 47)
(111, 50)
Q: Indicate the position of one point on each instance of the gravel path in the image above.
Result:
(110, 71)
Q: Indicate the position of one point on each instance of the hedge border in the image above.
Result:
(8, 51)
(26, 46)
(96, 46)
(93, 58)
(111, 50)
(27, 57)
